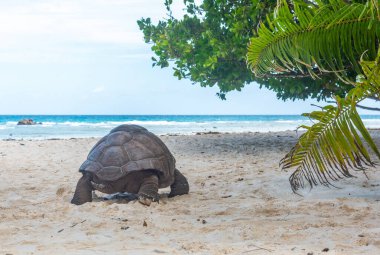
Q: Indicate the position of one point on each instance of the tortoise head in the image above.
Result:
(83, 191)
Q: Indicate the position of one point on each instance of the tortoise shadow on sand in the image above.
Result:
(123, 198)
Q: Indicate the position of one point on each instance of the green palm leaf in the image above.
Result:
(317, 37)
(335, 144)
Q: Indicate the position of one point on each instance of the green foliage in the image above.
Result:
(208, 45)
(316, 37)
(333, 145)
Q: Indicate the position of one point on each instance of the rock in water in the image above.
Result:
(28, 122)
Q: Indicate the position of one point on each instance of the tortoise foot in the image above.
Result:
(146, 199)
(148, 192)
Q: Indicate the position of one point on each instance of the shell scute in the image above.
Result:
(136, 150)
(110, 173)
(90, 166)
(129, 128)
(118, 138)
(149, 143)
(113, 156)
(97, 151)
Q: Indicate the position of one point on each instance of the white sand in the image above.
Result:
(239, 203)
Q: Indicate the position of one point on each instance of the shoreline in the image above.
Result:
(161, 135)
(297, 132)
(84, 126)
(240, 202)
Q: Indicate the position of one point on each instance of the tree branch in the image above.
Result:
(360, 106)
(368, 108)
(374, 98)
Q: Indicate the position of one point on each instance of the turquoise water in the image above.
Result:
(79, 126)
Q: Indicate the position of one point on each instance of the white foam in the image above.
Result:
(68, 129)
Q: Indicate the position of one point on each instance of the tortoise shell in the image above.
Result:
(129, 148)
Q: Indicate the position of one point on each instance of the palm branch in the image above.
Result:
(335, 144)
(314, 37)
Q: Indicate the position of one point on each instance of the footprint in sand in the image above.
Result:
(60, 192)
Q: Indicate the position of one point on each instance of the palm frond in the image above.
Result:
(325, 36)
(335, 144)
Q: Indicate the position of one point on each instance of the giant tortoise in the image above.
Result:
(129, 159)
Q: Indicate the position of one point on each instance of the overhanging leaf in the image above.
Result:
(330, 148)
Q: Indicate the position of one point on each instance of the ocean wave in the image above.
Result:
(160, 123)
(291, 121)
(11, 123)
(371, 120)
(98, 126)
(132, 122)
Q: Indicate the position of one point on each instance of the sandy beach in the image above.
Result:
(240, 202)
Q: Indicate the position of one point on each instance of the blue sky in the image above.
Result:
(89, 57)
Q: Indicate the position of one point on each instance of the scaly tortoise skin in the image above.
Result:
(129, 159)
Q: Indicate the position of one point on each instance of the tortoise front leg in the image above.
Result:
(83, 191)
(148, 191)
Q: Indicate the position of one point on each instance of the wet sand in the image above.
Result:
(240, 202)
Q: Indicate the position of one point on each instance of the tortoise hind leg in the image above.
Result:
(148, 191)
(180, 185)
(83, 191)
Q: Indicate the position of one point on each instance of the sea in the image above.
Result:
(84, 126)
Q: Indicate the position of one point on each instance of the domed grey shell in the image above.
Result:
(129, 148)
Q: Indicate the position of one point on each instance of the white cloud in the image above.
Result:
(56, 27)
(98, 89)
(67, 23)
